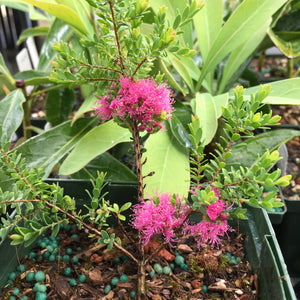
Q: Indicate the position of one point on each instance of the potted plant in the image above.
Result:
(217, 190)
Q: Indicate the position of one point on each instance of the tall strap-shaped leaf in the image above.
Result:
(170, 162)
(59, 31)
(242, 24)
(11, 115)
(94, 143)
(204, 108)
(241, 53)
(47, 149)
(282, 92)
(63, 12)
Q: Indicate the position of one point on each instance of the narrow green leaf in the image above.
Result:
(86, 106)
(114, 169)
(205, 109)
(58, 31)
(48, 148)
(291, 49)
(4, 70)
(282, 92)
(63, 12)
(59, 105)
(246, 153)
(241, 53)
(96, 142)
(11, 115)
(169, 161)
(32, 77)
(35, 31)
(243, 23)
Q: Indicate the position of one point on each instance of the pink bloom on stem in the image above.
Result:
(143, 101)
(162, 218)
(206, 232)
(213, 210)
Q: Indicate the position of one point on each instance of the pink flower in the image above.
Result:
(213, 210)
(207, 232)
(143, 101)
(161, 218)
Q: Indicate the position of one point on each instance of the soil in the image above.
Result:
(210, 273)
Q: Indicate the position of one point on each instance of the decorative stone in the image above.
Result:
(69, 251)
(67, 271)
(72, 282)
(166, 270)
(204, 289)
(40, 276)
(75, 259)
(30, 276)
(40, 296)
(152, 274)
(179, 260)
(158, 268)
(12, 276)
(16, 291)
(21, 268)
(132, 294)
(114, 281)
(124, 278)
(107, 289)
(81, 278)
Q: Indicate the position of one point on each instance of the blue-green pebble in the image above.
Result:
(184, 266)
(125, 258)
(166, 270)
(68, 227)
(124, 278)
(204, 289)
(30, 276)
(69, 251)
(52, 257)
(74, 236)
(75, 259)
(24, 297)
(12, 298)
(21, 268)
(38, 287)
(40, 276)
(79, 249)
(12, 276)
(107, 289)
(179, 260)
(50, 248)
(40, 296)
(114, 281)
(16, 291)
(132, 294)
(32, 254)
(152, 273)
(158, 268)
(66, 258)
(172, 266)
(67, 271)
(117, 260)
(72, 282)
(43, 244)
(46, 254)
(82, 278)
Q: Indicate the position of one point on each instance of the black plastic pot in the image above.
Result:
(261, 245)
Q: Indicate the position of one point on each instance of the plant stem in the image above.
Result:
(290, 68)
(138, 160)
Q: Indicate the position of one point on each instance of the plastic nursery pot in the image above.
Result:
(276, 216)
(261, 246)
(288, 234)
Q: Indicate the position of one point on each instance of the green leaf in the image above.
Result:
(5, 71)
(242, 24)
(63, 12)
(204, 108)
(282, 92)
(11, 115)
(179, 132)
(245, 154)
(16, 239)
(125, 206)
(59, 105)
(32, 77)
(291, 49)
(169, 161)
(114, 169)
(58, 31)
(96, 142)
(241, 53)
(48, 148)
(208, 22)
(86, 106)
(35, 31)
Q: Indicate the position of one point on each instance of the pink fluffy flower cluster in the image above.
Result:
(167, 216)
(143, 101)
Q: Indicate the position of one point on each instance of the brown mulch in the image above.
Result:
(209, 267)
